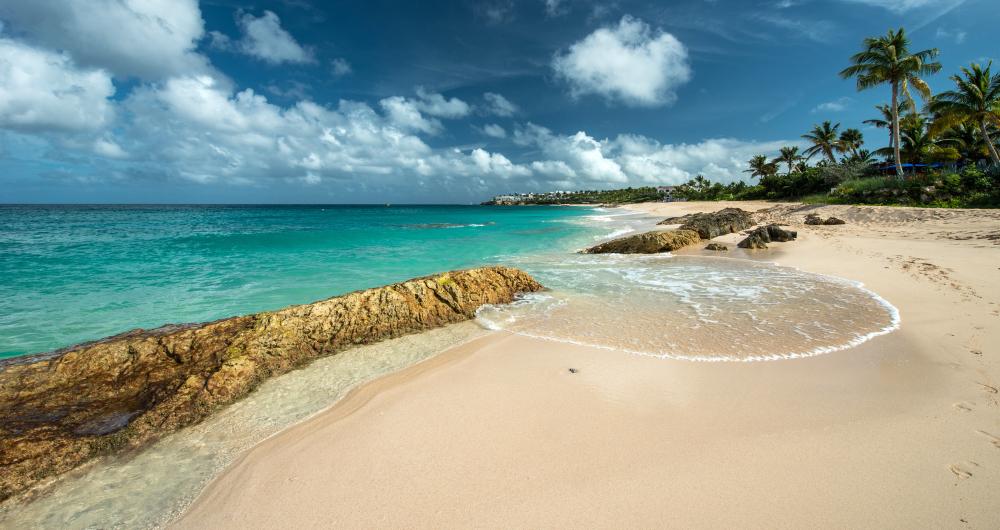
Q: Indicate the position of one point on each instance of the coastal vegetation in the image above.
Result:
(943, 153)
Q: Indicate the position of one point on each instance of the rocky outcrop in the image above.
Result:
(61, 409)
(814, 219)
(718, 247)
(647, 243)
(761, 236)
(715, 224)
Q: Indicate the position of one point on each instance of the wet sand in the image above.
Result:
(898, 432)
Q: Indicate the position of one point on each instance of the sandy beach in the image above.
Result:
(901, 431)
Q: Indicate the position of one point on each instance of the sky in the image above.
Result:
(301, 101)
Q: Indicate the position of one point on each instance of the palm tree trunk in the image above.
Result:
(895, 129)
(989, 143)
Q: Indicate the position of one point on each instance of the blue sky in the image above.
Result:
(359, 102)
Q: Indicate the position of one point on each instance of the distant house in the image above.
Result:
(669, 193)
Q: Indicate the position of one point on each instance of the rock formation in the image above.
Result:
(647, 243)
(718, 247)
(814, 219)
(61, 409)
(715, 224)
(762, 235)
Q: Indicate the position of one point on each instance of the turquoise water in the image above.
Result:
(76, 273)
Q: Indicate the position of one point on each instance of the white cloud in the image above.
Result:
(109, 149)
(719, 159)
(405, 114)
(42, 90)
(341, 67)
(837, 105)
(497, 164)
(581, 153)
(264, 38)
(555, 8)
(902, 6)
(628, 62)
(498, 105)
(437, 105)
(494, 130)
(145, 38)
(196, 129)
(958, 36)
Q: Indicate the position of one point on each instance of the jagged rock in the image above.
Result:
(715, 224)
(61, 409)
(680, 219)
(761, 236)
(716, 247)
(755, 240)
(814, 219)
(647, 243)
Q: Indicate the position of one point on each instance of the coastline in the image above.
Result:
(897, 431)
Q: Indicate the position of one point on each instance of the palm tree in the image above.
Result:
(976, 100)
(851, 140)
(790, 156)
(966, 138)
(863, 157)
(887, 59)
(885, 122)
(761, 167)
(824, 140)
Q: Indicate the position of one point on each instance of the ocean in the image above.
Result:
(77, 273)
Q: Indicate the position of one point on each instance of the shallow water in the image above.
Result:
(680, 307)
(693, 308)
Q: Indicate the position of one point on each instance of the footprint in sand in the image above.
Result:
(993, 439)
(961, 471)
(963, 406)
(988, 388)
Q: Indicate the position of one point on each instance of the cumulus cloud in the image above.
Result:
(151, 38)
(628, 62)
(494, 131)
(720, 159)
(628, 159)
(837, 105)
(421, 113)
(581, 153)
(405, 114)
(264, 38)
(42, 90)
(340, 67)
(498, 105)
(196, 129)
(437, 105)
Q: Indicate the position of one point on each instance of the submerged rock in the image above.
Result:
(715, 224)
(716, 246)
(647, 243)
(62, 409)
(761, 236)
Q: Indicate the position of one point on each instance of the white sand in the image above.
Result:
(898, 432)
